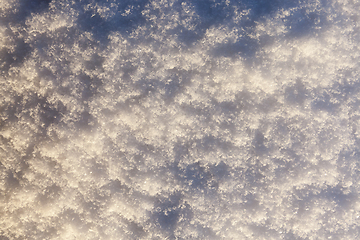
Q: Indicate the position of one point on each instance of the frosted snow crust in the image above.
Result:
(169, 119)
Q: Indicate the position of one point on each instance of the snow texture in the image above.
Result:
(179, 119)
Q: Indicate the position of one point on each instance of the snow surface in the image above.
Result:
(179, 119)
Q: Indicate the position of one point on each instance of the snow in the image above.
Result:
(171, 119)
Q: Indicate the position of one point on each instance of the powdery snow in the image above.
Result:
(170, 119)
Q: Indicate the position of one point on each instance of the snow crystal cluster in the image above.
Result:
(179, 119)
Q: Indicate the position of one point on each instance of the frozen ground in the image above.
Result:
(171, 119)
